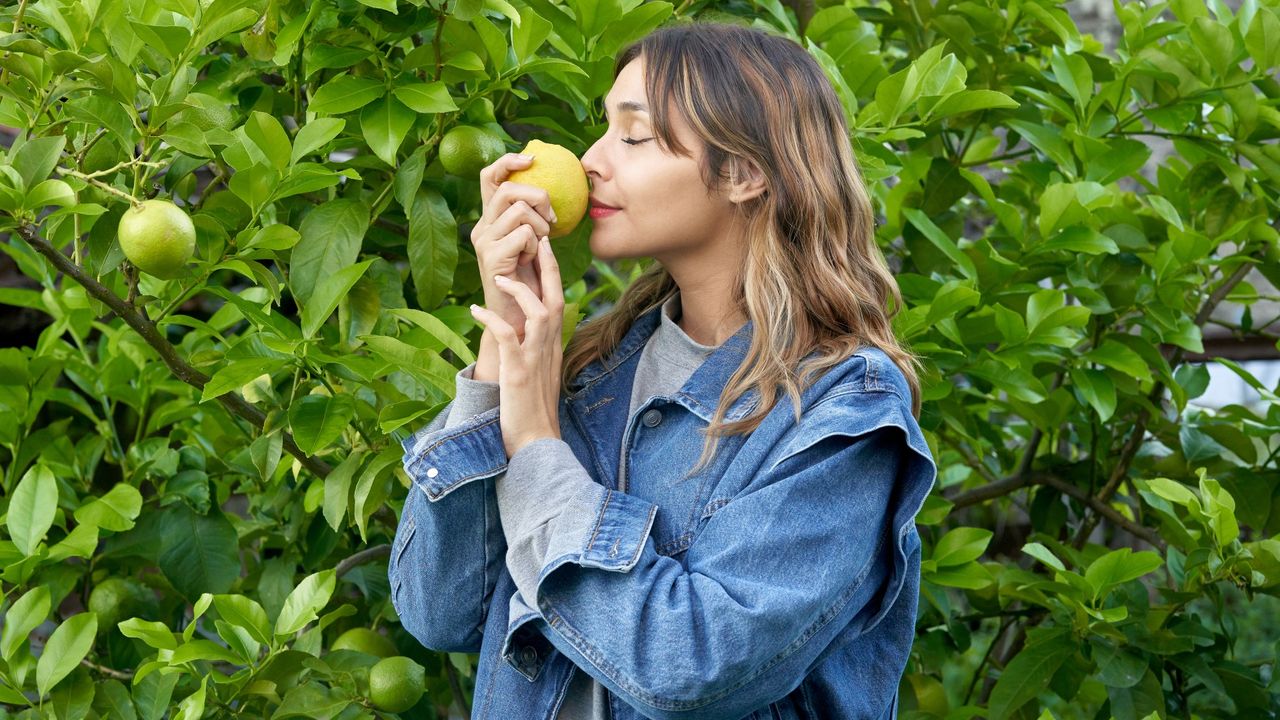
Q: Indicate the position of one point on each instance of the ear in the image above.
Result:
(746, 181)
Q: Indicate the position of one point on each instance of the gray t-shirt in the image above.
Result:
(667, 361)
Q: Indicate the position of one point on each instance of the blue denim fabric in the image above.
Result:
(749, 590)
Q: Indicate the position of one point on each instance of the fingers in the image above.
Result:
(537, 316)
(493, 175)
(508, 342)
(508, 193)
(549, 271)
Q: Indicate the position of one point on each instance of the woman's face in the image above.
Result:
(665, 210)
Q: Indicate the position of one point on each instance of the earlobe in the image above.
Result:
(749, 187)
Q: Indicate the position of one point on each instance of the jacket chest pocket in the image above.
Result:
(663, 451)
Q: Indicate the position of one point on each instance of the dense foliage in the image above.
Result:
(218, 453)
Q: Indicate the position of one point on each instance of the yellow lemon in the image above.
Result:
(558, 171)
(158, 238)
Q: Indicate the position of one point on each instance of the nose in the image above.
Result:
(592, 161)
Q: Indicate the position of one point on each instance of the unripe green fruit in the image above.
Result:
(396, 684)
(114, 600)
(466, 150)
(158, 238)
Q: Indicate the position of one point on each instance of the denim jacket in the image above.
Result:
(744, 591)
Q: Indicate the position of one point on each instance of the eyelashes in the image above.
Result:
(630, 141)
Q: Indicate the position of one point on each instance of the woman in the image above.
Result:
(640, 524)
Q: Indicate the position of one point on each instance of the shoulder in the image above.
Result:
(865, 392)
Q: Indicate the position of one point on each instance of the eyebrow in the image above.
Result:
(628, 106)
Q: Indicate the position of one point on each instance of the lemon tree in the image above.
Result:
(396, 683)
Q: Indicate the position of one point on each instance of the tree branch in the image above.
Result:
(168, 354)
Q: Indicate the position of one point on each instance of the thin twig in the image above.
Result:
(168, 354)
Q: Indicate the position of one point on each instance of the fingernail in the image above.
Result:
(526, 157)
(500, 280)
(553, 216)
(475, 308)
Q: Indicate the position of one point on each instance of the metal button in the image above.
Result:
(528, 655)
(432, 472)
(652, 417)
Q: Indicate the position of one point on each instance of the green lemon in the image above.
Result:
(205, 112)
(396, 683)
(116, 599)
(466, 150)
(366, 641)
(558, 171)
(158, 237)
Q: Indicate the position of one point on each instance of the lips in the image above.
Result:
(596, 204)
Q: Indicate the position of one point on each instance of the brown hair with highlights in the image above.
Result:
(812, 280)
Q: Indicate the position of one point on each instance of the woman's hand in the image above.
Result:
(529, 368)
(506, 236)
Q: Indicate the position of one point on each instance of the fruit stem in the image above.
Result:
(137, 204)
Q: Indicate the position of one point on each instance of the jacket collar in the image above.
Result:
(701, 393)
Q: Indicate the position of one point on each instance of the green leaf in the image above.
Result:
(50, 192)
(1028, 673)
(1074, 75)
(388, 5)
(528, 35)
(268, 134)
(432, 247)
(960, 546)
(32, 508)
(324, 300)
(1121, 158)
(935, 235)
(385, 124)
(1263, 38)
(969, 101)
(305, 602)
(438, 330)
(1097, 389)
(25, 615)
(255, 185)
(114, 511)
(237, 374)
(155, 634)
(1043, 554)
(331, 237)
(315, 135)
(37, 158)
(1120, 357)
(245, 613)
(1119, 566)
(426, 97)
(200, 554)
(318, 420)
(1048, 140)
(67, 646)
(1078, 239)
(337, 490)
(344, 94)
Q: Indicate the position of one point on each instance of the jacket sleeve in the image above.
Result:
(770, 584)
(449, 546)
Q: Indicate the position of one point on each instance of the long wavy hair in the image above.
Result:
(812, 280)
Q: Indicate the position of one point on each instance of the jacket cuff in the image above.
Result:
(592, 526)
(442, 461)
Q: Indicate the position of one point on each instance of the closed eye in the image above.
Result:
(631, 141)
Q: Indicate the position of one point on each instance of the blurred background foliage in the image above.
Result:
(221, 452)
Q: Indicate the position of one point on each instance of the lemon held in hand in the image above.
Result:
(396, 683)
(466, 150)
(558, 171)
(158, 238)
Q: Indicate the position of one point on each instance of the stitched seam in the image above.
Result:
(459, 481)
(423, 455)
(599, 520)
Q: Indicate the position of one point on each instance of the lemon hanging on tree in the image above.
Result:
(465, 150)
(558, 171)
(396, 683)
(158, 237)
(365, 640)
